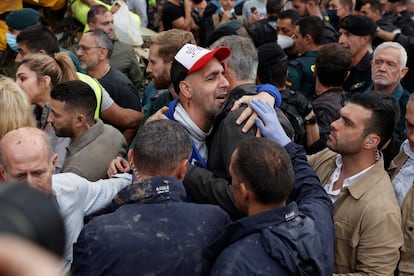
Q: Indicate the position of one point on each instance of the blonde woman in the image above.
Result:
(37, 75)
(15, 108)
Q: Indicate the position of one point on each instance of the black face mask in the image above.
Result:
(333, 18)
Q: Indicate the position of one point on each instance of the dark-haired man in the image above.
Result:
(366, 213)
(308, 38)
(151, 216)
(289, 228)
(93, 144)
(37, 39)
(331, 69)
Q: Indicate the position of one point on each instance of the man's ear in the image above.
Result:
(41, 51)
(181, 169)
(103, 53)
(404, 71)
(81, 120)
(185, 89)
(53, 161)
(245, 192)
(365, 39)
(308, 37)
(372, 141)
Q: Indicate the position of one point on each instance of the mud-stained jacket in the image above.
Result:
(152, 232)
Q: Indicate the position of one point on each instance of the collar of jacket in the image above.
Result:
(151, 190)
(365, 62)
(255, 223)
(397, 163)
(368, 180)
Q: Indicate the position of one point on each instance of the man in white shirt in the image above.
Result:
(26, 156)
(401, 171)
(366, 213)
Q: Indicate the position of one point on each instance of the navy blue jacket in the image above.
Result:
(297, 239)
(152, 232)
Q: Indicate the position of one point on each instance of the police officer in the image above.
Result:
(356, 33)
(308, 38)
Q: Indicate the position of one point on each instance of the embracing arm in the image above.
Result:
(203, 187)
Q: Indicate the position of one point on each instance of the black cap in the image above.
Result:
(219, 32)
(358, 25)
(270, 53)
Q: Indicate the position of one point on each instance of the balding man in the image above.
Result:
(26, 156)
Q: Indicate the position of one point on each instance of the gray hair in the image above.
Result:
(160, 146)
(395, 45)
(102, 40)
(243, 60)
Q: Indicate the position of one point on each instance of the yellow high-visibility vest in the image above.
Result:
(94, 84)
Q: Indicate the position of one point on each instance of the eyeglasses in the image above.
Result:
(388, 64)
(82, 48)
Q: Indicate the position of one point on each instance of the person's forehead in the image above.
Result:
(87, 38)
(106, 16)
(24, 151)
(23, 48)
(23, 68)
(57, 105)
(388, 52)
(355, 112)
(154, 52)
(284, 21)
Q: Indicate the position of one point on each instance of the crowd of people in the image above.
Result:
(255, 137)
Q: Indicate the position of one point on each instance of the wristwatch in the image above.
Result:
(311, 121)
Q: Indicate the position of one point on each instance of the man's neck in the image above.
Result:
(201, 120)
(355, 163)
(100, 70)
(235, 83)
(359, 55)
(312, 47)
(78, 132)
(320, 88)
(387, 88)
(172, 91)
(256, 208)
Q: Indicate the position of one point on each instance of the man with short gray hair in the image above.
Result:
(95, 49)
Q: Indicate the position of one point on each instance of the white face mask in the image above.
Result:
(11, 41)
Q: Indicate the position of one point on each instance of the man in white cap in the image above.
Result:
(198, 78)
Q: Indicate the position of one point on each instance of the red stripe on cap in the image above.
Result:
(220, 53)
